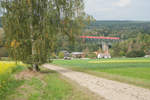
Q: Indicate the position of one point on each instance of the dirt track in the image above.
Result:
(110, 90)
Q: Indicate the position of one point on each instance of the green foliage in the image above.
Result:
(61, 55)
(53, 56)
(126, 30)
(32, 27)
(134, 53)
(133, 47)
(8, 83)
(123, 29)
(122, 53)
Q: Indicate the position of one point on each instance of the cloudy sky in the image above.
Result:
(118, 9)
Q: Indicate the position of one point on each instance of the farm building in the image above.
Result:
(78, 54)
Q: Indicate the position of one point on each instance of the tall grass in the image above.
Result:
(48, 85)
(7, 81)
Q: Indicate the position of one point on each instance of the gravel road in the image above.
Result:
(108, 89)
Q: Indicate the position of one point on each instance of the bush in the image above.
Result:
(8, 83)
(118, 53)
(53, 56)
(122, 53)
(61, 55)
(136, 53)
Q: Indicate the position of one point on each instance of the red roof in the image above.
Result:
(100, 37)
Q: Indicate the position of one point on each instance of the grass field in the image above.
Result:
(134, 71)
(7, 82)
(19, 83)
(46, 85)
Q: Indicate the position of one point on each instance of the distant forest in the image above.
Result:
(134, 35)
(122, 29)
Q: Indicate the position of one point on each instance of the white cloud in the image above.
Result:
(98, 6)
(118, 9)
(123, 3)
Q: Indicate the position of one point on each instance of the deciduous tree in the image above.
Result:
(31, 26)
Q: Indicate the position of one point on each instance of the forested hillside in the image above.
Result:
(122, 29)
(135, 36)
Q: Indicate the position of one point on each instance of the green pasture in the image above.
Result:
(131, 70)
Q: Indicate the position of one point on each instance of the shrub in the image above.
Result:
(122, 53)
(7, 80)
(53, 56)
(136, 53)
(61, 55)
(118, 53)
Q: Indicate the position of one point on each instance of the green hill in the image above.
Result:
(123, 29)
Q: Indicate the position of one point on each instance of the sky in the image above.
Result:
(118, 9)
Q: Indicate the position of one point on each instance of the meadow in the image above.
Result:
(7, 81)
(47, 85)
(17, 82)
(134, 71)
